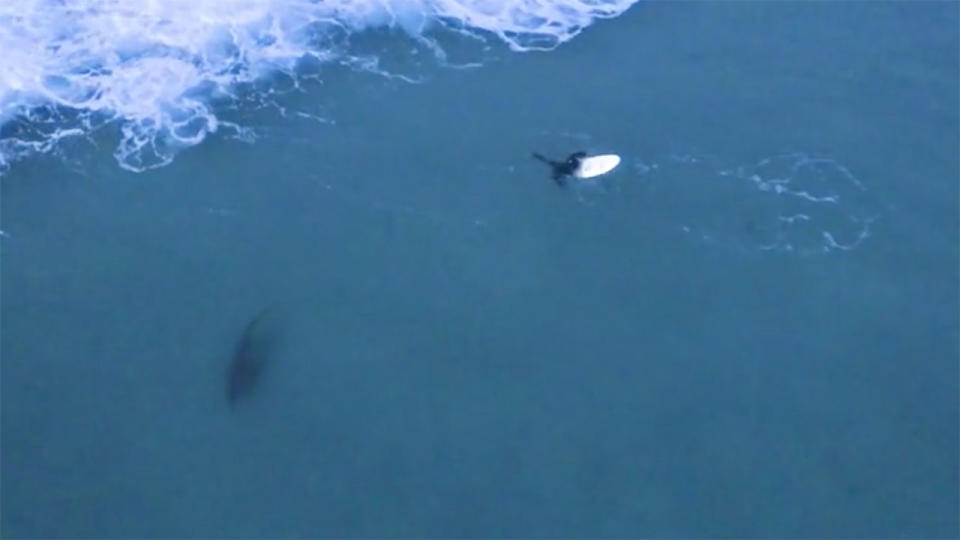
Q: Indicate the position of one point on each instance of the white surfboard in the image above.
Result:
(596, 165)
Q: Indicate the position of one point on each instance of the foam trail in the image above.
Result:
(795, 203)
(154, 67)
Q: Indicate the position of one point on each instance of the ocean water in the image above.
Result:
(748, 329)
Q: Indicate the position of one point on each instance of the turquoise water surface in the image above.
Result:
(748, 329)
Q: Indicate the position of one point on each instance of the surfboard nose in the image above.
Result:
(591, 166)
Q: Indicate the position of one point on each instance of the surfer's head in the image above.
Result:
(572, 163)
(562, 169)
(575, 158)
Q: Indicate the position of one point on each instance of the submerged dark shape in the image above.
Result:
(562, 169)
(248, 361)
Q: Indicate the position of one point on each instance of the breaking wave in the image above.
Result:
(156, 70)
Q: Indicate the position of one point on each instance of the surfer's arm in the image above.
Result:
(543, 159)
(557, 172)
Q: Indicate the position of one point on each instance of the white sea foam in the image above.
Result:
(797, 203)
(153, 67)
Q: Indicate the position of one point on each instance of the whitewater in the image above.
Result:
(155, 71)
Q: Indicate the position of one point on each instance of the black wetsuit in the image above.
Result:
(563, 169)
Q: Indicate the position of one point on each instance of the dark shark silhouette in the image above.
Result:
(560, 170)
(248, 361)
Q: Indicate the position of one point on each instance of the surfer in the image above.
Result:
(562, 169)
